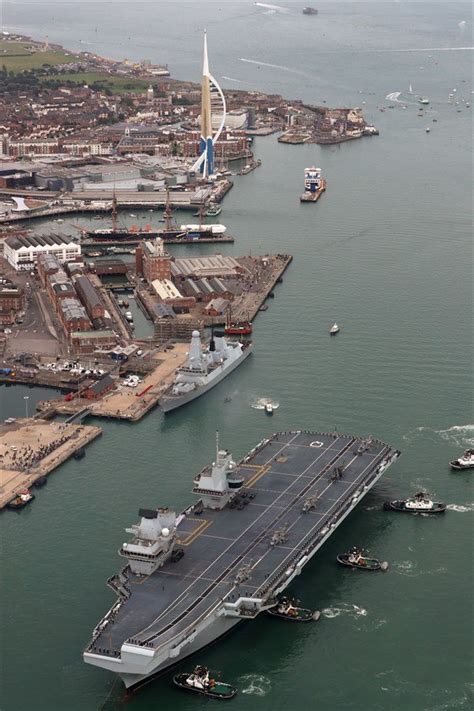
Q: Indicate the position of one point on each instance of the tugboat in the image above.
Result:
(464, 462)
(287, 609)
(21, 499)
(201, 682)
(269, 408)
(420, 503)
(356, 559)
(334, 329)
(236, 328)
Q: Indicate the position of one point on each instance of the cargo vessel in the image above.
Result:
(314, 185)
(204, 369)
(246, 536)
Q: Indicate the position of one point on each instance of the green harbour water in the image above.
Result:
(387, 253)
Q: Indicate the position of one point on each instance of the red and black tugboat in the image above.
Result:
(236, 328)
(21, 499)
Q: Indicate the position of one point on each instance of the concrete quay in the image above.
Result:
(264, 273)
(124, 403)
(31, 448)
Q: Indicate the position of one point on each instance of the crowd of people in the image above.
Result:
(22, 459)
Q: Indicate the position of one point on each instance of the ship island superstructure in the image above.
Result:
(205, 367)
(314, 185)
(253, 528)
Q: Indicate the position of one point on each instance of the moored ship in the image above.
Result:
(204, 369)
(314, 185)
(170, 233)
(246, 537)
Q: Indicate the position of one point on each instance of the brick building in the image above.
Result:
(91, 341)
(12, 302)
(73, 316)
(156, 262)
(90, 297)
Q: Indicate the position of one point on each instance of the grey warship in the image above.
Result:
(253, 528)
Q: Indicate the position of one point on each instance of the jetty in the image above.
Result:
(32, 448)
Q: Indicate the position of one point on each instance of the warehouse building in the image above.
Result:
(22, 252)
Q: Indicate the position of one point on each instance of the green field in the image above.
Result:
(18, 56)
(117, 84)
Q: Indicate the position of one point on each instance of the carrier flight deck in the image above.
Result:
(253, 528)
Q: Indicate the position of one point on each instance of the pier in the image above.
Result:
(32, 448)
(100, 200)
(125, 403)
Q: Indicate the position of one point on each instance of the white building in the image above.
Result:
(22, 252)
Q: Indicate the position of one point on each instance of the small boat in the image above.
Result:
(427, 129)
(21, 499)
(80, 453)
(228, 399)
(263, 307)
(41, 481)
(128, 316)
(287, 609)
(334, 329)
(419, 503)
(213, 210)
(464, 462)
(271, 295)
(201, 682)
(356, 559)
(269, 408)
(423, 100)
(126, 303)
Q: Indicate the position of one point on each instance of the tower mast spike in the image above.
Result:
(217, 445)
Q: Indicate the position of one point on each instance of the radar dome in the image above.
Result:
(165, 532)
(196, 334)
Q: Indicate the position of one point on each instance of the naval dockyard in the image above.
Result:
(80, 270)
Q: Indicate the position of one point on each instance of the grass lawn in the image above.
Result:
(17, 56)
(117, 84)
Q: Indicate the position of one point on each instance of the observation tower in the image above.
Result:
(212, 104)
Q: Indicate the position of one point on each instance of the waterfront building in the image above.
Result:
(22, 252)
(211, 97)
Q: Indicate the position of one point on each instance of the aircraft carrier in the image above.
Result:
(253, 528)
